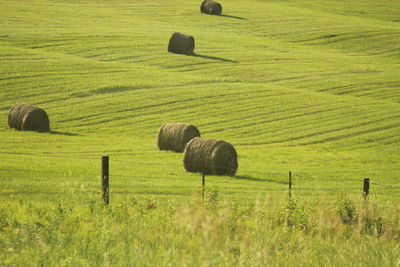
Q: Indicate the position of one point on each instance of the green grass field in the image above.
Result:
(307, 86)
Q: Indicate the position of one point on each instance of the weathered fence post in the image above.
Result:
(104, 179)
(366, 188)
(290, 184)
(203, 183)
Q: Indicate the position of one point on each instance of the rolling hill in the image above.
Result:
(311, 87)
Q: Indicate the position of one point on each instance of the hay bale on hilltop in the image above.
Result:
(175, 136)
(25, 117)
(181, 44)
(210, 156)
(211, 7)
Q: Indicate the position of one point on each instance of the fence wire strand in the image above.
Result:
(270, 177)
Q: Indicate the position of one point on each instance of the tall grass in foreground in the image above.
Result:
(79, 231)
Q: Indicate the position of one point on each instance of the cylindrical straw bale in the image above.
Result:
(181, 44)
(175, 136)
(211, 7)
(25, 117)
(210, 156)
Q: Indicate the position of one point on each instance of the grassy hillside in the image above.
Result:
(307, 86)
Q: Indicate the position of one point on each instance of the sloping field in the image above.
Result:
(298, 86)
(311, 87)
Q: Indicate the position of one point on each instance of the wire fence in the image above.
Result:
(245, 178)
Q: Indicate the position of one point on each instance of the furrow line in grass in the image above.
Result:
(335, 33)
(258, 119)
(358, 35)
(380, 51)
(192, 101)
(390, 84)
(358, 133)
(263, 121)
(292, 128)
(194, 110)
(65, 74)
(326, 123)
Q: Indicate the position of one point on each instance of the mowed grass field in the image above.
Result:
(311, 87)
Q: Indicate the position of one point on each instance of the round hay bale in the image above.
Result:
(211, 7)
(25, 117)
(175, 136)
(181, 44)
(214, 157)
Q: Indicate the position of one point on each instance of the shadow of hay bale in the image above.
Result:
(233, 17)
(214, 58)
(64, 133)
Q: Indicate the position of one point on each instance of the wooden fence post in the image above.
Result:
(366, 188)
(290, 184)
(105, 179)
(203, 183)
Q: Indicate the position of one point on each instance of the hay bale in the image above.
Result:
(210, 156)
(181, 44)
(175, 136)
(211, 7)
(25, 117)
